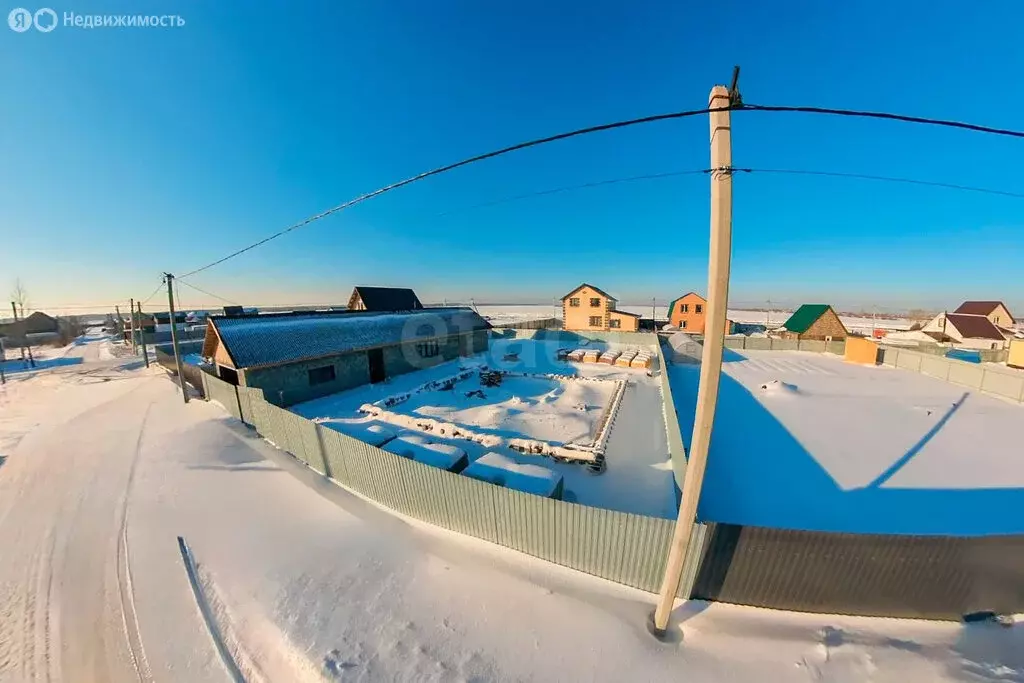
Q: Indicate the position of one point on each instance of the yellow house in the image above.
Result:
(588, 308)
(1016, 358)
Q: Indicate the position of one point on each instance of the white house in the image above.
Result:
(967, 330)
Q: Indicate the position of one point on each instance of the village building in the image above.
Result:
(817, 322)
(588, 308)
(689, 312)
(972, 331)
(380, 299)
(297, 357)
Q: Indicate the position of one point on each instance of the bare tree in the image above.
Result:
(20, 297)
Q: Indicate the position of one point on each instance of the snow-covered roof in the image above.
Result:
(419, 449)
(274, 339)
(504, 471)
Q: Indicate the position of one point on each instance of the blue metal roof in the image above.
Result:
(273, 339)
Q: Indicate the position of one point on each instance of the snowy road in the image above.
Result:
(106, 468)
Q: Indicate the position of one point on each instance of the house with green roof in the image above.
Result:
(814, 322)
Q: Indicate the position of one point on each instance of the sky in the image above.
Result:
(128, 151)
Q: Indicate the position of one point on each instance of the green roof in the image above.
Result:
(804, 317)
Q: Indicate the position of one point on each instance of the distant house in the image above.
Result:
(688, 313)
(814, 322)
(296, 357)
(379, 299)
(973, 331)
(37, 323)
(588, 308)
(996, 311)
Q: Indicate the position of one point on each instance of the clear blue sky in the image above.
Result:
(128, 151)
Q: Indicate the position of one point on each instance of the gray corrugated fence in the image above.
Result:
(771, 344)
(929, 577)
(626, 548)
(193, 374)
(998, 381)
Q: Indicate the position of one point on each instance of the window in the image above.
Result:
(574, 302)
(698, 308)
(684, 308)
(595, 321)
(683, 326)
(595, 302)
(321, 375)
(428, 349)
(615, 322)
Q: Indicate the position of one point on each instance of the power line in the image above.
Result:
(603, 127)
(459, 164)
(885, 115)
(199, 289)
(158, 288)
(892, 179)
(569, 188)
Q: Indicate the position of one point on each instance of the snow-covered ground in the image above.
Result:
(307, 582)
(638, 477)
(807, 441)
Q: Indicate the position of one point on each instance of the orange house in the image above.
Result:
(590, 308)
(689, 312)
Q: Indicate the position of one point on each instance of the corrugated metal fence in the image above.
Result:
(625, 548)
(770, 344)
(999, 381)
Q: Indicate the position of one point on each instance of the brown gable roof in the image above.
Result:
(979, 307)
(974, 326)
(596, 289)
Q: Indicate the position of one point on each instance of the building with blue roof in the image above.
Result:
(296, 357)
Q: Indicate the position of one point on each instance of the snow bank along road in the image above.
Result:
(104, 468)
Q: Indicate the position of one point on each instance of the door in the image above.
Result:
(375, 357)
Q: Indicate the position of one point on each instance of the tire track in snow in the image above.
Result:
(207, 613)
(129, 616)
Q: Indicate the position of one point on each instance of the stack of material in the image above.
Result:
(563, 354)
(576, 356)
(443, 456)
(624, 360)
(642, 360)
(591, 356)
(501, 470)
(609, 357)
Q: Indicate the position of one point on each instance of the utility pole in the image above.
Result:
(142, 335)
(652, 313)
(120, 321)
(174, 334)
(711, 357)
(131, 317)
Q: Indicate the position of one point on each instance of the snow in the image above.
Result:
(531, 410)
(419, 449)
(502, 471)
(828, 445)
(310, 583)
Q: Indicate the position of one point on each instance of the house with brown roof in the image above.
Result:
(996, 311)
(588, 308)
(688, 313)
(969, 330)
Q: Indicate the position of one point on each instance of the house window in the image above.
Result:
(595, 321)
(595, 302)
(574, 302)
(321, 375)
(698, 308)
(683, 326)
(684, 308)
(428, 349)
(615, 322)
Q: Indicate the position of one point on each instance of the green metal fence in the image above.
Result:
(626, 548)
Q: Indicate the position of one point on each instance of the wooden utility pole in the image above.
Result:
(711, 357)
(174, 335)
(131, 318)
(142, 335)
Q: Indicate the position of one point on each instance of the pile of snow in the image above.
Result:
(443, 383)
(503, 471)
(777, 388)
(443, 456)
(375, 435)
